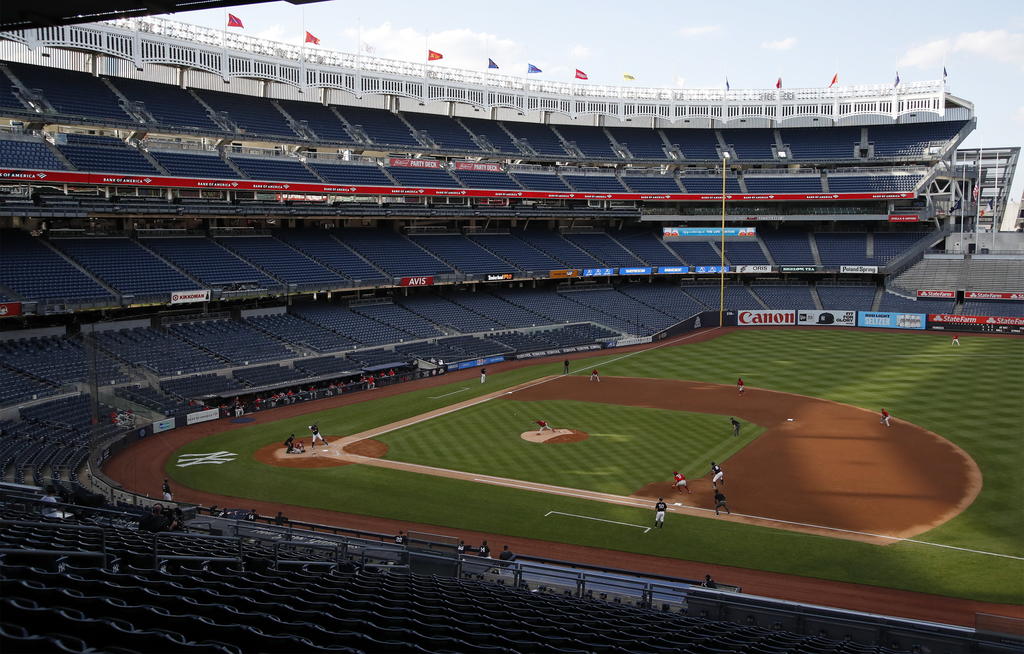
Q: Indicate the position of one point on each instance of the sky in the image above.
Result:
(690, 44)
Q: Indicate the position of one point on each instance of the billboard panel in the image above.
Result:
(563, 274)
(416, 281)
(991, 295)
(766, 317)
(891, 320)
(598, 272)
(184, 297)
(949, 294)
(858, 269)
(830, 318)
(637, 270)
(673, 270)
(10, 309)
(702, 233)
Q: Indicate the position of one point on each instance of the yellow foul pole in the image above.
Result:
(721, 283)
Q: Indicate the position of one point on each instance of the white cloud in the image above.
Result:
(579, 52)
(698, 30)
(782, 44)
(1001, 45)
(998, 45)
(462, 48)
(927, 55)
(680, 81)
(1020, 113)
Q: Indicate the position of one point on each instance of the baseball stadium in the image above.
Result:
(307, 350)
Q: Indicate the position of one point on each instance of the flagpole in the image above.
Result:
(977, 200)
(963, 178)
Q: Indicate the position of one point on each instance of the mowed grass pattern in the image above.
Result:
(628, 446)
(968, 395)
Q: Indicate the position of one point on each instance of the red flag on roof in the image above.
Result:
(234, 21)
(580, 74)
(434, 56)
(312, 39)
(778, 84)
(835, 80)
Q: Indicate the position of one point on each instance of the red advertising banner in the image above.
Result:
(104, 179)
(8, 309)
(904, 218)
(416, 281)
(992, 295)
(936, 294)
(563, 274)
(414, 163)
(762, 317)
(479, 167)
(953, 319)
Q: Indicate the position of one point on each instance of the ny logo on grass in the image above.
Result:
(216, 458)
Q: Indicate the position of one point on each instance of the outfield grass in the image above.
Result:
(968, 395)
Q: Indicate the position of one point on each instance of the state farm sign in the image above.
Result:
(762, 317)
(416, 281)
(936, 294)
(183, 297)
(992, 295)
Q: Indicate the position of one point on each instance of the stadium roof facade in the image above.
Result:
(234, 57)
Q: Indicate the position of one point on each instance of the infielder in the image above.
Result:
(885, 418)
(735, 426)
(483, 375)
(680, 482)
(739, 386)
(595, 376)
(659, 512)
(717, 476)
(544, 426)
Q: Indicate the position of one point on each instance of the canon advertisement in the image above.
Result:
(831, 318)
(888, 320)
(761, 317)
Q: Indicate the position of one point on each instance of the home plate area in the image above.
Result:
(555, 436)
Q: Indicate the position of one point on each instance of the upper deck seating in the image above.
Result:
(493, 133)
(281, 261)
(124, 265)
(445, 131)
(168, 104)
(751, 144)
(254, 116)
(392, 253)
(642, 143)
(539, 137)
(382, 126)
(695, 144)
(72, 93)
(591, 141)
(35, 272)
(208, 262)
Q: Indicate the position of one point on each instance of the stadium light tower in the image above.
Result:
(721, 271)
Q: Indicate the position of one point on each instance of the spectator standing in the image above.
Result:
(708, 582)
(400, 538)
(483, 550)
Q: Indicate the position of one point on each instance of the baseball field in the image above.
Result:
(817, 486)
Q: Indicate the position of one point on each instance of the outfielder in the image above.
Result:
(885, 418)
(659, 512)
(680, 482)
(739, 386)
(956, 340)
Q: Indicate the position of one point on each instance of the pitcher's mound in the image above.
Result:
(555, 436)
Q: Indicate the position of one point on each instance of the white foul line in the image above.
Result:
(438, 397)
(587, 517)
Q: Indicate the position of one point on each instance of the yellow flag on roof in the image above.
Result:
(628, 77)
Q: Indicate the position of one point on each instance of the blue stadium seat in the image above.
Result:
(72, 93)
(277, 169)
(28, 154)
(493, 133)
(381, 126)
(462, 254)
(206, 261)
(539, 137)
(35, 272)
(695, 144)
(447, 132)
(169, 105)
(124, 265)
(190, 164)
(254, 115)
(283, 262)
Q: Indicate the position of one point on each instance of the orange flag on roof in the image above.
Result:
(434, 56)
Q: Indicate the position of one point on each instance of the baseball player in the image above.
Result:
(167, 492)
(885, 418)
(544, 426)
(735, 426)
(740, 386)
(956, 340)
(483, 375)
(317, 436)
(717, 476)
(565, 367)
(659, 512)
(680, 482)
(720, 503)
(595, 376)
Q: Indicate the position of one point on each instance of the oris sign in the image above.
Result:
(762, 317)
